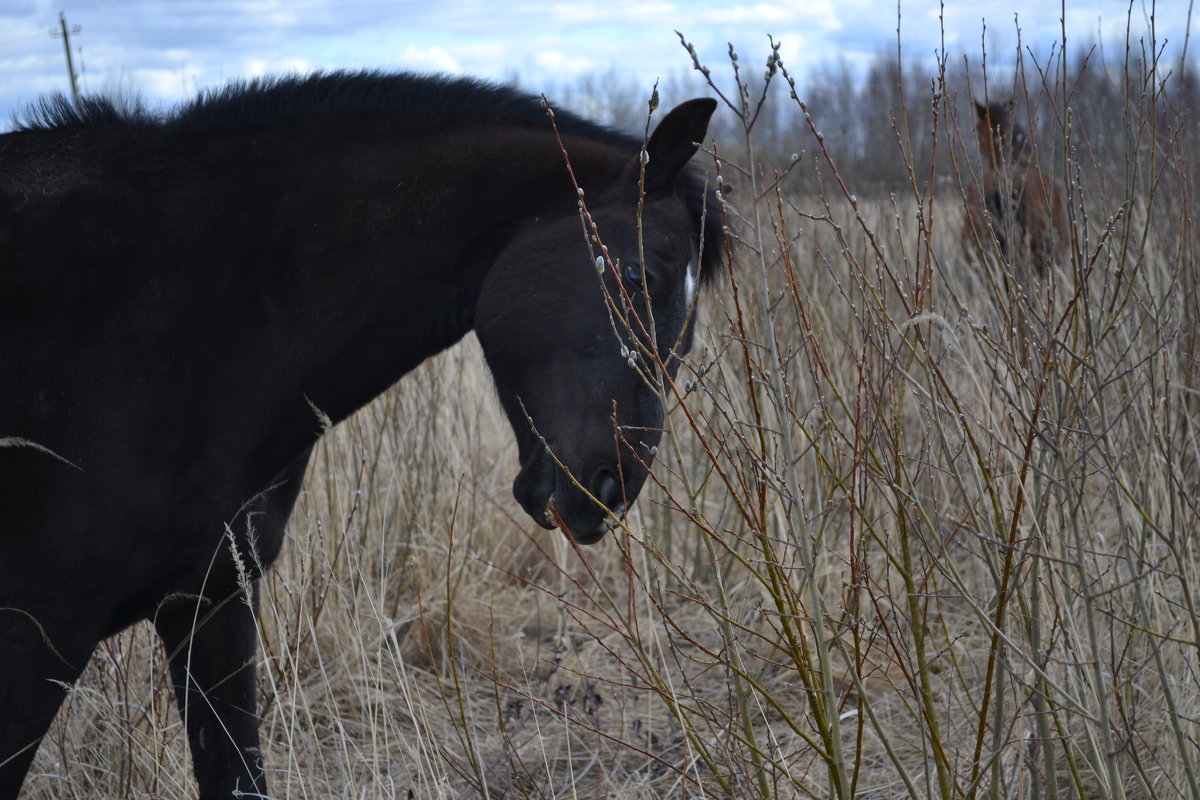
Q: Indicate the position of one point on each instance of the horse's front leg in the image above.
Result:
(40, 656)
(211, 646)
(211, 641)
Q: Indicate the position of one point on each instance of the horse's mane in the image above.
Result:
(299, 97)
(259, 101)
(57, 112)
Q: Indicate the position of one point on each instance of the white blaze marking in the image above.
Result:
(689, 284)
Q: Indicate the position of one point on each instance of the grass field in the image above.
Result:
(921, 528)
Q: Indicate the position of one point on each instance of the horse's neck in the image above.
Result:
(388, 265)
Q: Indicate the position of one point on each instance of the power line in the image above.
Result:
(65, 33)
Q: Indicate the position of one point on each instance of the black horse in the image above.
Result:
(183, 299)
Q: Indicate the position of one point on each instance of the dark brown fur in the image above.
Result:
(1015, 211)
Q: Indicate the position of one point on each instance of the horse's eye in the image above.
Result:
(633, 274)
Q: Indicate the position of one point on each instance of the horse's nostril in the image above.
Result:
(607, 489)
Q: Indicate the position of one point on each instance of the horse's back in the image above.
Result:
(1021, 215)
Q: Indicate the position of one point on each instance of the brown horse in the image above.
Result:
(1015, 211)
(1017, 214)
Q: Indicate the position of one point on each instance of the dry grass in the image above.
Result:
(887, 556)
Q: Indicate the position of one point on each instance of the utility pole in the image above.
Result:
(66, 37)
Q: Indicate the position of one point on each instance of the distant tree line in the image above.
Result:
(880, 126)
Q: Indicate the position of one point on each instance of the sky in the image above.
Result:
(168, 50)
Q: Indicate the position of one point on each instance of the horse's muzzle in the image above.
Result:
(553, 500)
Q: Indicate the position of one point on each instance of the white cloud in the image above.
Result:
(792, 47)
(622, 12)
(559, 63)
(765, 13)
(254, 68)
(165, 49)
(150, 82)
(428, 59)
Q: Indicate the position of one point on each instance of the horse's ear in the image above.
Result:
(981, 110)
(674, 141)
